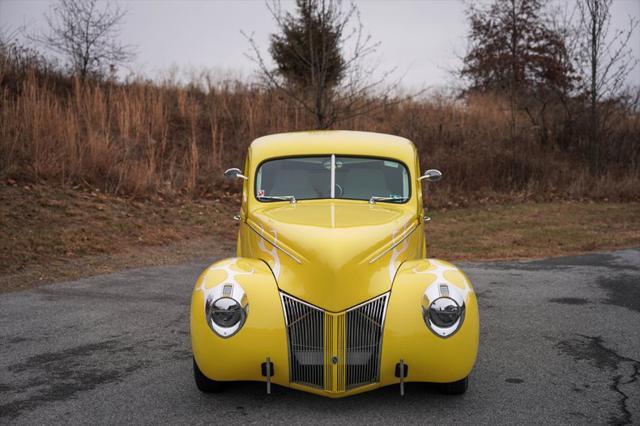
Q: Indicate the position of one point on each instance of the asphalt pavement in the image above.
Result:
(560, 343)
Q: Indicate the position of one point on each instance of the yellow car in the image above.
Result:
(331, 291)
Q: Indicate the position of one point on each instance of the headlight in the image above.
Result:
(443, 309)
(444, 312)
(226, 312)
(226, 309)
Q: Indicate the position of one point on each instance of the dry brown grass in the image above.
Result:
(50, 234)
(144, 139)
(532, 230)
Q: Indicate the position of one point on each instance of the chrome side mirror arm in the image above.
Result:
(431, 175)
(234, 173)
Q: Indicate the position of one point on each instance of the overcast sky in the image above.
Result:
(422, 38)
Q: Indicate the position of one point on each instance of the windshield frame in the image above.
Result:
(373, 157)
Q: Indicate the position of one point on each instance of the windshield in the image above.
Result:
(356, 178)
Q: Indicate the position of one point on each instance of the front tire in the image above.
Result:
(204, 383)
(455, 388)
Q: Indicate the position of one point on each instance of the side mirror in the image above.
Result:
(431, 175)
(234, 173)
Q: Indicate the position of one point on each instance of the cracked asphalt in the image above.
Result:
(560, 343)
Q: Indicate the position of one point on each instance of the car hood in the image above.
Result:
(334, 255)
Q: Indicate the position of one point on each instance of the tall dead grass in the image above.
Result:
(142, 138)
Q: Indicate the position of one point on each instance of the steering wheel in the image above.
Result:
(341, 191)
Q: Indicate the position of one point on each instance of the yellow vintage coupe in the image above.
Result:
(331, 291)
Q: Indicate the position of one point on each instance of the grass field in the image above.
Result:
(51, 234)
(532, 230)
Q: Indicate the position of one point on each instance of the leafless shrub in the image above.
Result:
(86, 33)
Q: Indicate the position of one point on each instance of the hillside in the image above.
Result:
(97, 175)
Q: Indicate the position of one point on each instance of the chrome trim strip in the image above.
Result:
(412, 228)
(283, 294)
(368, 301)
(333, 176)
(274, 244)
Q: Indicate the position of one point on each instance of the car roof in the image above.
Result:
(339, 142)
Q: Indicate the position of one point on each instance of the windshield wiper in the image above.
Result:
(375, 198)
(289, 198)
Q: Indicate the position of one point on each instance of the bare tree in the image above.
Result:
(314, 65)
(86, 35)
(605, 60)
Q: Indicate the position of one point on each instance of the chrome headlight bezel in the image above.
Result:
(443, 309)
(226, 309)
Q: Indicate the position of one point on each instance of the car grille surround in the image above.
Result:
(334, 351)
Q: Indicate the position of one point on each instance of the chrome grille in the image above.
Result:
(305, 327)
(363, 341)
(334, 352)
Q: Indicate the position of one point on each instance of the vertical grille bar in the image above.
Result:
(328, 352)
(340, 352)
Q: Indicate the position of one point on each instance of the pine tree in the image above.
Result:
(320, 51)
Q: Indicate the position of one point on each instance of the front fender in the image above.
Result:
(430, 358)
(263, 335)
